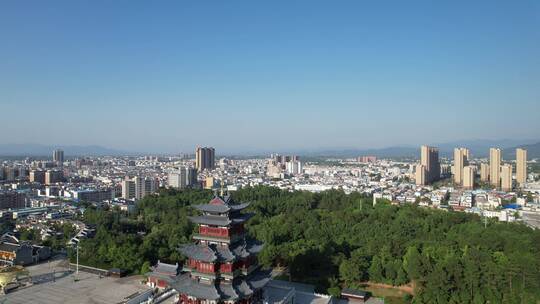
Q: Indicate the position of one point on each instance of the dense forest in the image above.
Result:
(333, 240)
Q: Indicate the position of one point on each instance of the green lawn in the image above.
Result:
(390, 295)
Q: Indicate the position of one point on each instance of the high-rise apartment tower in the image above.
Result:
(204, 158)
(495, 167)
(521, 166)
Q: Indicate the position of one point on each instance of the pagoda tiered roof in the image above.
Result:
(171, 269)
(217, 220)
(237, 289)
(213, 253)
(217, 246)
(185, 284)
(163, 271)
(199, 252)
(221, 205)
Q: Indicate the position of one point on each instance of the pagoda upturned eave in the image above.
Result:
(221, 208)
(186, 285)
(205, 253)
(220, 220)
(198, 252)
(238, 289)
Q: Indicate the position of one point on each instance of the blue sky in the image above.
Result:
(164, 76)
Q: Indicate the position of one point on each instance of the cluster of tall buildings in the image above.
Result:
(500, 175)
(495, 173)
(138, 187)
(367, 159)
(58, 157)
(205, 158)
(182, 178)
(429, 169)
(10, 173)
(290, 164)
(12, 200)
(46, 177)
(464, 173)
(521, 166)
(284, 159)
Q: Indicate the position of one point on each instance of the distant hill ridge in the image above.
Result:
(533, 151)
(44, 150)
(479, 148)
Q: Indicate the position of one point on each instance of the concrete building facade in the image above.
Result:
(37, 176)
(506, 177)
(58, 156)
(461, 159)
(184, 177)
(205, 158)
(521, 166)
(53, 176)
(484, 172)
(12, 200)
(429, 161)
(138, 187)
(468, 177)
(495, 167)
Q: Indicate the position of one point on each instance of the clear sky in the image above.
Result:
(274, 75)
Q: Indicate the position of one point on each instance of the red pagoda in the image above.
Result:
(222, 262)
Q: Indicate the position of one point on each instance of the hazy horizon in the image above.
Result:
(475, 143)
(244, 76)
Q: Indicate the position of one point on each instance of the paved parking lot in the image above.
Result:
(532, 219)
(64, 288)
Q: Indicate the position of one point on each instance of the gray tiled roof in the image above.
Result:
(216, 220)
(221, 205)
(239, 206)
(246, 248)
(9, 247)
(213, 208)
(242, 217)
(259, 279)
(214, 253)
(185, 284)
(228, 291)
(165, 268)
(243, 289)
(167, 278)
(224, 254)
(240, 288)
(255, 246)
(198, 252)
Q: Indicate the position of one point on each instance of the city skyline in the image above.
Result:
(478, 148)
(279, 152)
(354, 75)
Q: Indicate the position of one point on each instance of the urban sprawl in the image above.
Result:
(40, 193)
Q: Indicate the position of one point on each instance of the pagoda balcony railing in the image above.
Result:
(231, 274)
(210, 231)
(223, 239)
(213, 274)
(198, 273)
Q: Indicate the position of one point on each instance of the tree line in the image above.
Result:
(335, 240)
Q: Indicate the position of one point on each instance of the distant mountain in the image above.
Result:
(45, 150)
(382, 153)
(533, 151)
(478, 148)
